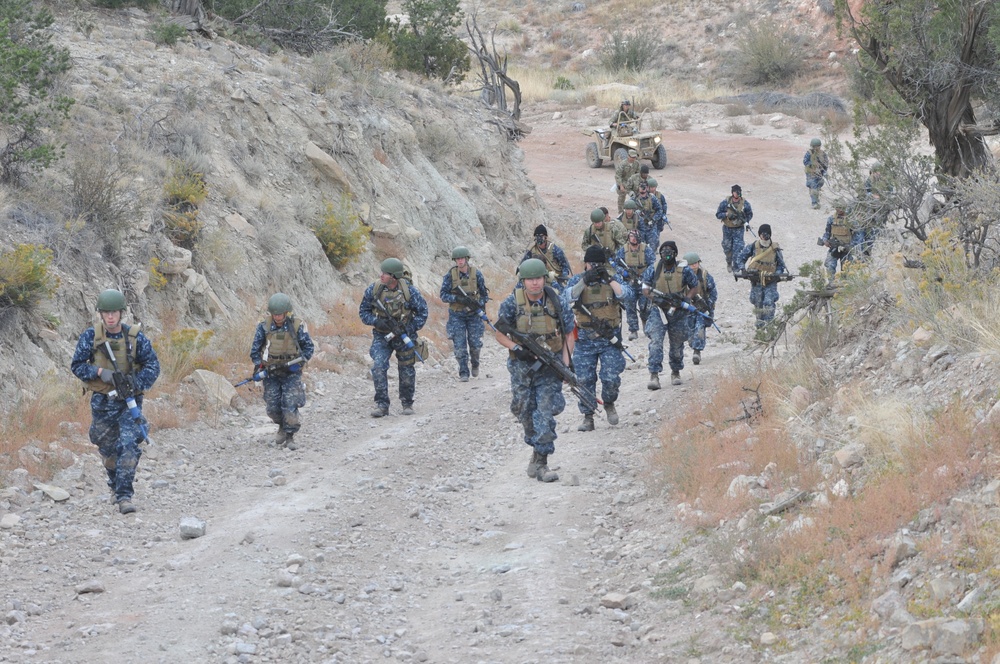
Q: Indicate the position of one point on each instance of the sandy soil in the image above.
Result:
(417, 538)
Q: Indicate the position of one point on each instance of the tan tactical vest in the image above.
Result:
(629, 224)
(636, 260)
(542, 322)
(815, 161)
(283, 344)
(670, 282)
(394, 300)
(840, 230)
(765, 259)
(734, 223)
(646, 203)
(604, 237)
(702, 288)
(599, 299)
(468, 282)
(124, 350)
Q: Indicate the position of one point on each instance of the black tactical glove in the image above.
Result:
(523, 354)
(383, 325)
(592, 276)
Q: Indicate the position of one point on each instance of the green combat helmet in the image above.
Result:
(393, 266)
(111, 300)
(650, 182)
(278, 304)
(815, 143)
(533, 268)
(630, 204)
(460, 252)
(691, 258)
(597, 216)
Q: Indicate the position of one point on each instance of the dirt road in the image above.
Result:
(415, 538)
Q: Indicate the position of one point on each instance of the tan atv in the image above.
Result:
(615, 142)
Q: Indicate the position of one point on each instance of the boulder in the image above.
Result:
(240, 225)
(327, 166)
(176, 260)
(216, 388)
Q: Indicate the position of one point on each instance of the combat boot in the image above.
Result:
(380, 411)
(126, 507)
(463, 379)
(544, 474)
(696, 358)
(587, 424)
(474, 361)
(611, 413)
(281, 438)
(654, 381)
(290, 443)
(536, 460)
(408, 410)
(675, 378)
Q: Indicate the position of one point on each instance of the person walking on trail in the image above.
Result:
(735, 214)
(108, 348)
(282, 346)
(395, 309)
(704, 299)
(624, 171)
(651, 228)
(763, 258)
(609, 234)
(536, 392)
(464, 290)
(671, 281)
(815, 162)
(841, 238)
(596, 296)
(552, 255)
(631, 262)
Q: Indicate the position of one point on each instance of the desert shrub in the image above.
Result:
(630, 51)
(768, 54)
(563, 83)
(737, 127)
(25, 277)
(181, 351)
(167, 33)
(340, 232)
(183, 192)
(98, 197)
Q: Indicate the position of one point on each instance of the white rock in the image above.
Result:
(191, 527)
(8, 521)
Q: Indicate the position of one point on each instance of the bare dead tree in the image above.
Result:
(496, 82)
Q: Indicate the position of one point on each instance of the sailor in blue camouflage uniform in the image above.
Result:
(113, 429)
(631, 262)
(282, 345)
(670, 278)
(465, 292)
(595, 296)
(536, 395)
(552, 255)
(735, 214)
(651, 228)
(393, 300)
(704, 299)
(763, 257)
(840, 237)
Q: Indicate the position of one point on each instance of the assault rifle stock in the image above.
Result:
(466, 299)
(670, 302)
(125, 390)
(262, 373)
(741, 215)
(545, 357)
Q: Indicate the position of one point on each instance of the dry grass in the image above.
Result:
(41, 418)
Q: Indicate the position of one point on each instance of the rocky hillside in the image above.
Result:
(277, 138)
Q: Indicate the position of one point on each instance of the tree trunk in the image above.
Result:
(959, 152)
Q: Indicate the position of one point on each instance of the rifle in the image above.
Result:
(737, 214)
(604, 330)
(675, 301)
(466, 299)
(835, 245)
(124, 390)
(262, 373)
(398, 330)
(754, 276)
(630, 277)
(545, 357)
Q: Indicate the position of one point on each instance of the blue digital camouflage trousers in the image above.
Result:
(732, 244)
(633, 305)
(589, 350)
(465, 329)
(764, 299)
(696, 331)
(380, 351)
(284, 394)
(536, 397)
(117, 437)
(676, 330)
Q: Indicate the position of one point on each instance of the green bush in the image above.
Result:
(340, 232)
(25, 278)
(167, 33)
(30, 107)
(767, 54)
(630, 51)
(183, 192)
(563, 83)
(427, 44)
